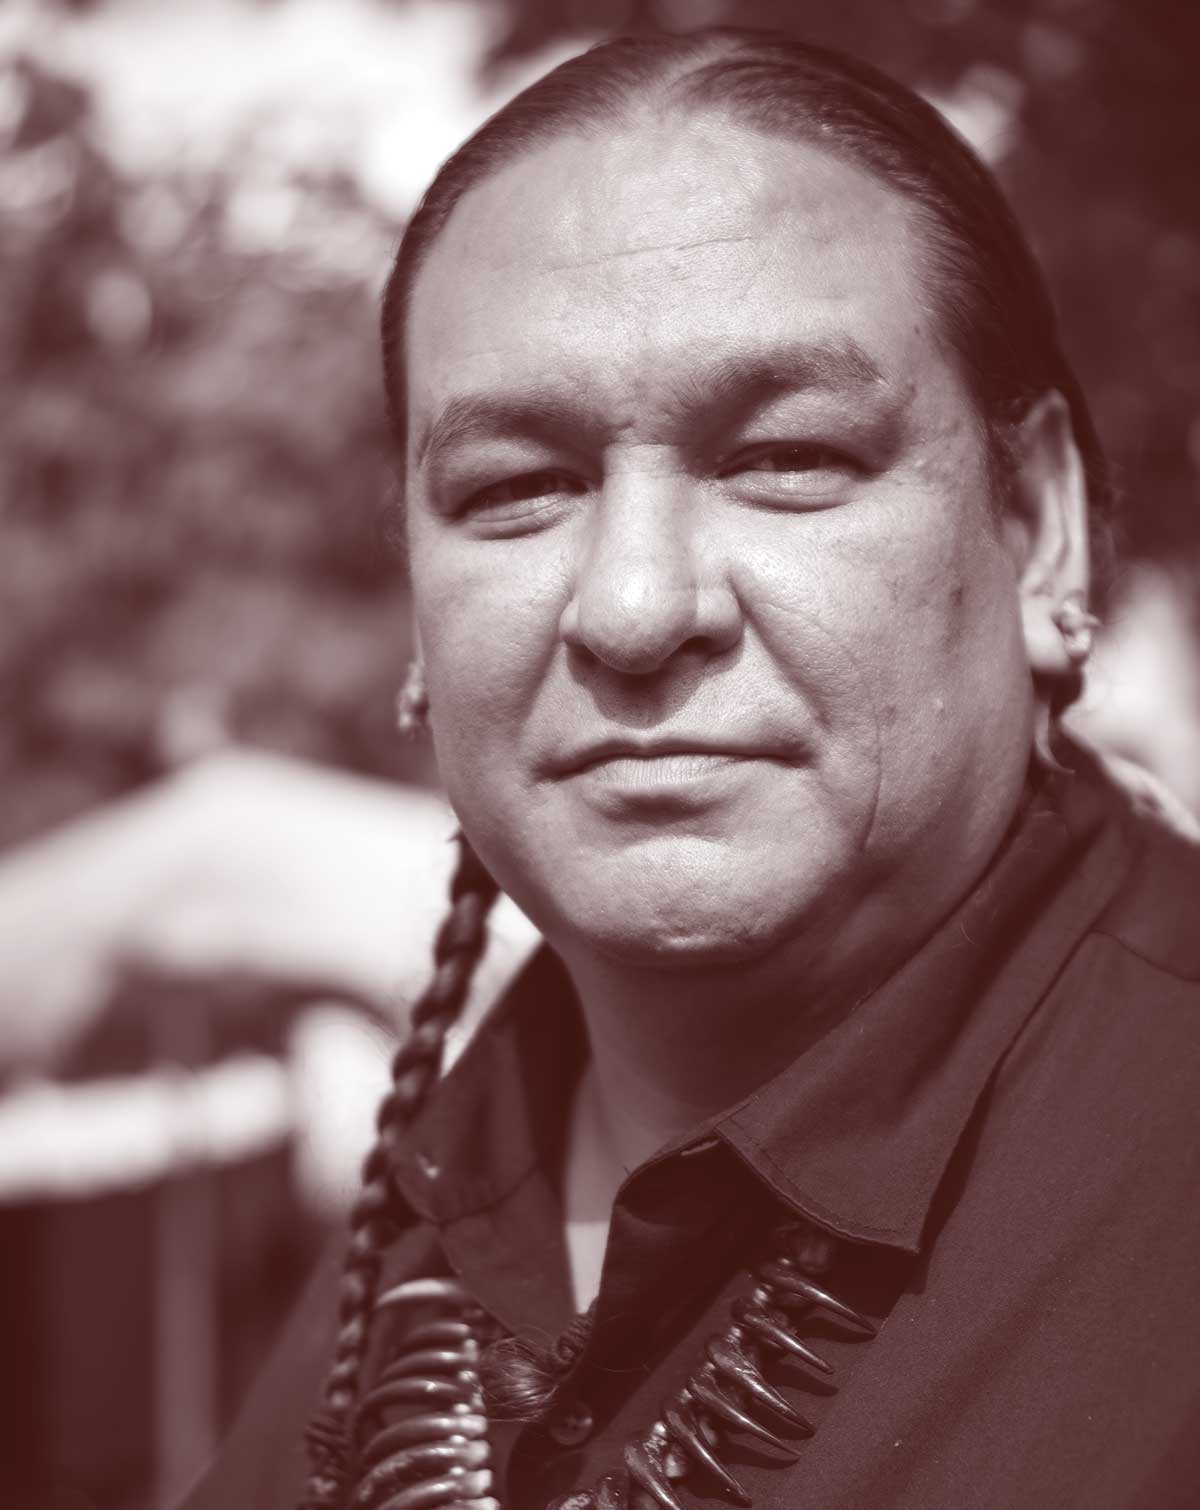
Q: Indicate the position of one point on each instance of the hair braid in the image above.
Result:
(375, 1218)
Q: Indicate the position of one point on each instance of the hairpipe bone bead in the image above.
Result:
(422, 1427)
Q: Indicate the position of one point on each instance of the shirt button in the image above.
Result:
(571, 1424)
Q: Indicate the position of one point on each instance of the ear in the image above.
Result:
(1046, 529)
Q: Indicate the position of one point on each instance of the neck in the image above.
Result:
(670, 1049)
(667, 1052)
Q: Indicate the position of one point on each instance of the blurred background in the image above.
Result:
(219, 866)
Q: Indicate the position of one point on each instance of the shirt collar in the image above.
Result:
(857, 1132)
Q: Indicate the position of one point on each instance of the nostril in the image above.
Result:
(637, 633)
(631, 648)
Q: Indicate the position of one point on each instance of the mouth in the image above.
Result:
(662, 756)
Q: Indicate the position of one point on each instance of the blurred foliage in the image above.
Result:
(192, 470)
(193, 477)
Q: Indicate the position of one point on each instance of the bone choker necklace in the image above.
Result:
(421, 1431)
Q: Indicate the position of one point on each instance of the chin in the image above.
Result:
(668, 900)
(680, 947)
(679, 921)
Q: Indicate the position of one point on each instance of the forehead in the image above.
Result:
(618, 267)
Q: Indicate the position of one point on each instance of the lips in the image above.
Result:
(656, 749)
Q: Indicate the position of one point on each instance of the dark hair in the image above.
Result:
(378, 1215)
(997, 312)
(998, 319)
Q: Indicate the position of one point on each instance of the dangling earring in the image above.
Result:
(1077, 627)
(412, 701)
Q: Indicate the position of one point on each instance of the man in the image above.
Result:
(746, 493)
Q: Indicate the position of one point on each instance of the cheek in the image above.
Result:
(891, 622)
(488, 620)
(848, 608)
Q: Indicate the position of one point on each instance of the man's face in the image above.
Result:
(722, 642)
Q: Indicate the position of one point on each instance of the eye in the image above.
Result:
(794, 457)
(793, 474)
(528, 487)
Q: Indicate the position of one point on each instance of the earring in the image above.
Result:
(1077, 627)
(412, 701)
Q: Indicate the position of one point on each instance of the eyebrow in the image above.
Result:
(481, 416)
(832, 366)
(737, 382)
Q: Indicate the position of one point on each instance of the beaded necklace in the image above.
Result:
(421, 1432)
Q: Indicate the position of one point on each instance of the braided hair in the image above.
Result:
(378, 1216)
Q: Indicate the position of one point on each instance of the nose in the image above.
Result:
(648, 582)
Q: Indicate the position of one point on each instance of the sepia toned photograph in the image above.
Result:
(600, 838)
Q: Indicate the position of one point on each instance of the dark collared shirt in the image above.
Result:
(1006, 1136)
